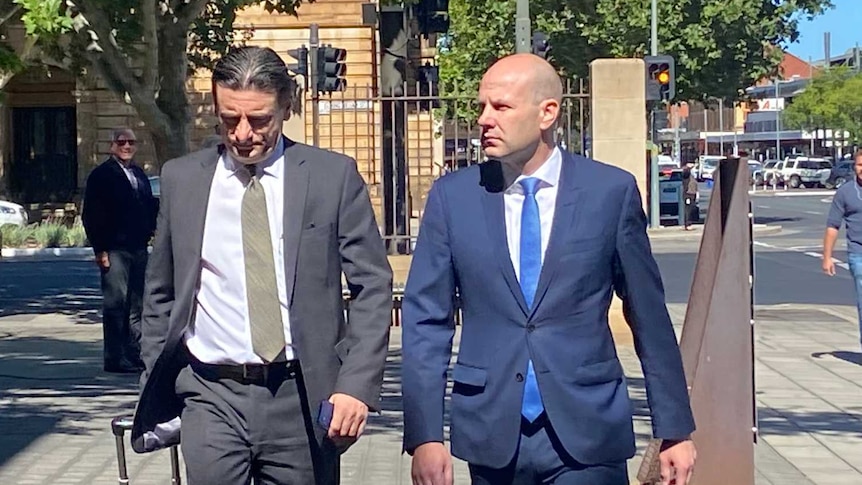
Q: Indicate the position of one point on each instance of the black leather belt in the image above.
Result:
(259, 374)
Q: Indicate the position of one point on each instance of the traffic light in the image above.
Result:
(301, 65)
(331, 69)
(660, 78)
(540, 45)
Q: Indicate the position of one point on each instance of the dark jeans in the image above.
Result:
(123, 294)
(690, 215)
(855, 262)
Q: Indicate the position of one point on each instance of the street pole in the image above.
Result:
(721, 127)
(654, 28)
(676, 141)
(654, 214)
(314, 43)
(777, 124)
(522, 27)
(705, 129)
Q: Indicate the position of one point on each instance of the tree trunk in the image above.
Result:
(171, 136)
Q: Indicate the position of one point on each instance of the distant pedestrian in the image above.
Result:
(847, 210)
(119, 217)
(689, 187)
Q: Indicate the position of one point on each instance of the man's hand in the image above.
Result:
(677, 461)
(348, 417)
(828, 266)
(102, 260)
(432, 465)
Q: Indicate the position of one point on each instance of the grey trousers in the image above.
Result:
(235, 433)
(122, 303)
(542, 460)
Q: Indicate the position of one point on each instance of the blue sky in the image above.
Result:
(843, 22)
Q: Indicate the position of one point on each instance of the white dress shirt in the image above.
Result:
(129, 174)
(546, 196)
(221, 333)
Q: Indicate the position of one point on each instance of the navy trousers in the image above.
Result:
(542, 460)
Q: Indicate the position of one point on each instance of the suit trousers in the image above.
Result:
(541, 460)
(122, 300)
(236, 433)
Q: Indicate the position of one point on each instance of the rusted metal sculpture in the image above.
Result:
(717, 342)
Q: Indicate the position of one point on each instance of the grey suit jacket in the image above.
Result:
(329, 228)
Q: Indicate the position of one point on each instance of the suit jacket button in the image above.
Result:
(519, 377)
(531, 327)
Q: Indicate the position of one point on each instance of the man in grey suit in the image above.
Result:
(244, 337)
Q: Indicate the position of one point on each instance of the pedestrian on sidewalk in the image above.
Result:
(119, 216)
(244, 335)
(846, 210)
(535, 241)
(690, 189)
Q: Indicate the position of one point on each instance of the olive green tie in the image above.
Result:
(264, 309)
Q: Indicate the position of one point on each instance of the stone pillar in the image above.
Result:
(619, 131)
(618, 111)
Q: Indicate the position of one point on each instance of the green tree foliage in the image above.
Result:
(42, 21)
(144, 50)
(832, 101)
(720, 46)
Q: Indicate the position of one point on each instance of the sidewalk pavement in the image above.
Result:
(56, 405)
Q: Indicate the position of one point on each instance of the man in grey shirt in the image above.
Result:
(847, 209)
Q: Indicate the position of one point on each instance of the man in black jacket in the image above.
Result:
(120, 216)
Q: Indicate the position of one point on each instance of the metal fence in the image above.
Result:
(404, 141)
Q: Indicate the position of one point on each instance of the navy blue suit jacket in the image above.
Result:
(598, 245)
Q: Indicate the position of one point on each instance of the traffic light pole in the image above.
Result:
(314, 44)
(522, 27)
(654, 201)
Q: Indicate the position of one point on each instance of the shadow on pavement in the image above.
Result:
(29, 288)
(53, 386)
(774, 220)
(390, 420)
(787, 423)
(851, 357)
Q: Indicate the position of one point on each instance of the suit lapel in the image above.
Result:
(566, 210)
(295, 192)
(495, 222)
(197, 198)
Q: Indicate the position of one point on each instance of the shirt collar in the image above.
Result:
(122, 165)
(548, 172)
(270, 166)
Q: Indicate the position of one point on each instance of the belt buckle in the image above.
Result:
(249, 375)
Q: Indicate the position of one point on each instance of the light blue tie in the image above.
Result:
(530, 268)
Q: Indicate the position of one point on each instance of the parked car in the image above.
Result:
(805, 172)
(706, 165)
(841, 173)
(11, 213)
(755, 169)
(155, 186)
(771, 169)
(666, 165)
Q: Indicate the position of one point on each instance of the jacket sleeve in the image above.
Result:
(428, 327)
(95, 214)
(369, 278)
(639, 286)
(159, 286)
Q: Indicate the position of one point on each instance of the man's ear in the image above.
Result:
(549, 110)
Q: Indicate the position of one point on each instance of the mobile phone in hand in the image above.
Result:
(324, 414)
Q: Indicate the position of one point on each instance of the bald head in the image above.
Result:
(535, 73)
